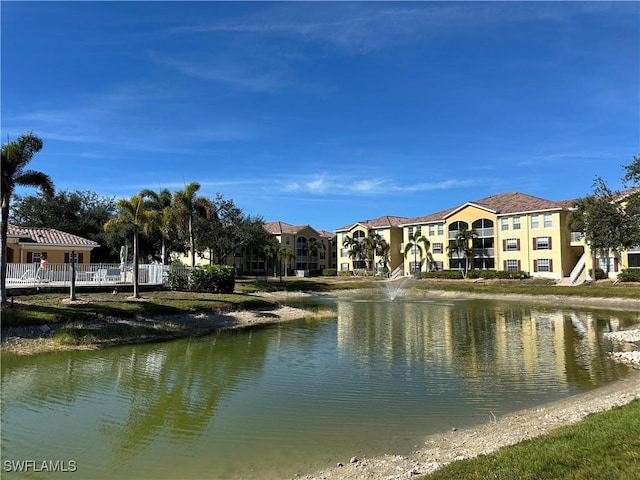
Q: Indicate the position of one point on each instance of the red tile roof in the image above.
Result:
(48, 236)
(384, 221)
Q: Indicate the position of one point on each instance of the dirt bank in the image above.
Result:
(439, 450)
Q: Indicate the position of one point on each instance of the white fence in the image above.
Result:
(89, 274)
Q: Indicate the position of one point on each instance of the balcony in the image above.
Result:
(577, 237)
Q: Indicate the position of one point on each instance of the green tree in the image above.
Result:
(370, 247)
(314, 246)
(133, 214)
(603, 222)
(418, 244)
(383, 250)
(354, 250)
(16, 155)
(286, 254)
(186, 207)
(462, 246)
(160, 203)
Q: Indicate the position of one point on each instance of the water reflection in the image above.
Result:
(292, 398)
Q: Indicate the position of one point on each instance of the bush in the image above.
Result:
(330, 272)
(178, 280)
(446, 274)
(600, 275)
(207, 278)
(629, 275)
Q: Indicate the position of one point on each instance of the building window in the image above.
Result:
(438, 266)
(542, 243)
(432, 230)
(36, 257)
(547, 220)
(414, 266)
(440, 229)
(418, 231)
(609, 264)
(437, 248)
(344, 252)
(504, 224)
(512, 265)
(535, 222)
(542, 265)
(511, 244)
(516, 223)
(344, 267)
(410, 231)
(287, 240)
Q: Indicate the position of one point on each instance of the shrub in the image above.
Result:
(629, 275)
(330, 272)
(178, 280)
(446, 274)
(207, 278)
(600, 275)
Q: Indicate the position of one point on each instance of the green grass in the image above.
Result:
(47, 308)
(603, 446)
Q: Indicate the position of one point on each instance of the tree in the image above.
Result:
(81, 213)
(134, 214)
(414, 245)
(383, 250)
(354, 249)
(186, 207)
(462, 245)
(160, 203)
(270, 251)
(632, 174)
(369, 247)
(603, 221)
(286, 254)
(16, 155)
(314, 246)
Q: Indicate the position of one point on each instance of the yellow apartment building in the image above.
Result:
(512, 232)
(387, 227)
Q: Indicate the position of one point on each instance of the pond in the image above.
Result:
(294, 398)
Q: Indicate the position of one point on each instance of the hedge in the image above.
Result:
(629, 275)
(206, 278)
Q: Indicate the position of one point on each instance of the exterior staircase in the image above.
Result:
(578, 275)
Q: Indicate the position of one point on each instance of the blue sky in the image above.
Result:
(326, 113)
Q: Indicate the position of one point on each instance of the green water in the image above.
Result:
(297, 397)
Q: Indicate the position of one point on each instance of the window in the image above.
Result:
(542, 243)
(432, 230)
(287, 240)
(542, 265)
(438, 266)
(512, 265)
(418, 231)
(344, 267)
(410, 231)
(535, 221)
(440, 229)
(344, 252)
(609, 264)
(516, 223)
(437, 248)
(511, 244)
(547, 220)
(35, 257)
(504, 224)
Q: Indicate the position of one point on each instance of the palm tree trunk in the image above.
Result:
(3, 251)
(135, 263)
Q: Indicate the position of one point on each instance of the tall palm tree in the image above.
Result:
(160, 205)
(383, 250)
(270, 251)
(287, 255)
(16, 155)
(313, 247)
(354, 249)
(369, 248)
(462, 245)
(186, 207)
(133, 213)
(414, 245)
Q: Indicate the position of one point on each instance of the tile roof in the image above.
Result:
(384, 221)
(515, 202)
(48, 236)
(279, 228)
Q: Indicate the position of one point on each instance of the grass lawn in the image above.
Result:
(603, 446)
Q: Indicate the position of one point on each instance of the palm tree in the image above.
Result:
(354, 249)
(413, 244)
(133, 213)
(369, 247)
(463, 245)
(15, 157)
(160, 205)
(287, 255)
(313, 247)
(383, 250)
(270, 250)
(186, 207)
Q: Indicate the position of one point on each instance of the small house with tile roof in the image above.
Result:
(31, 245)
(387, 227)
